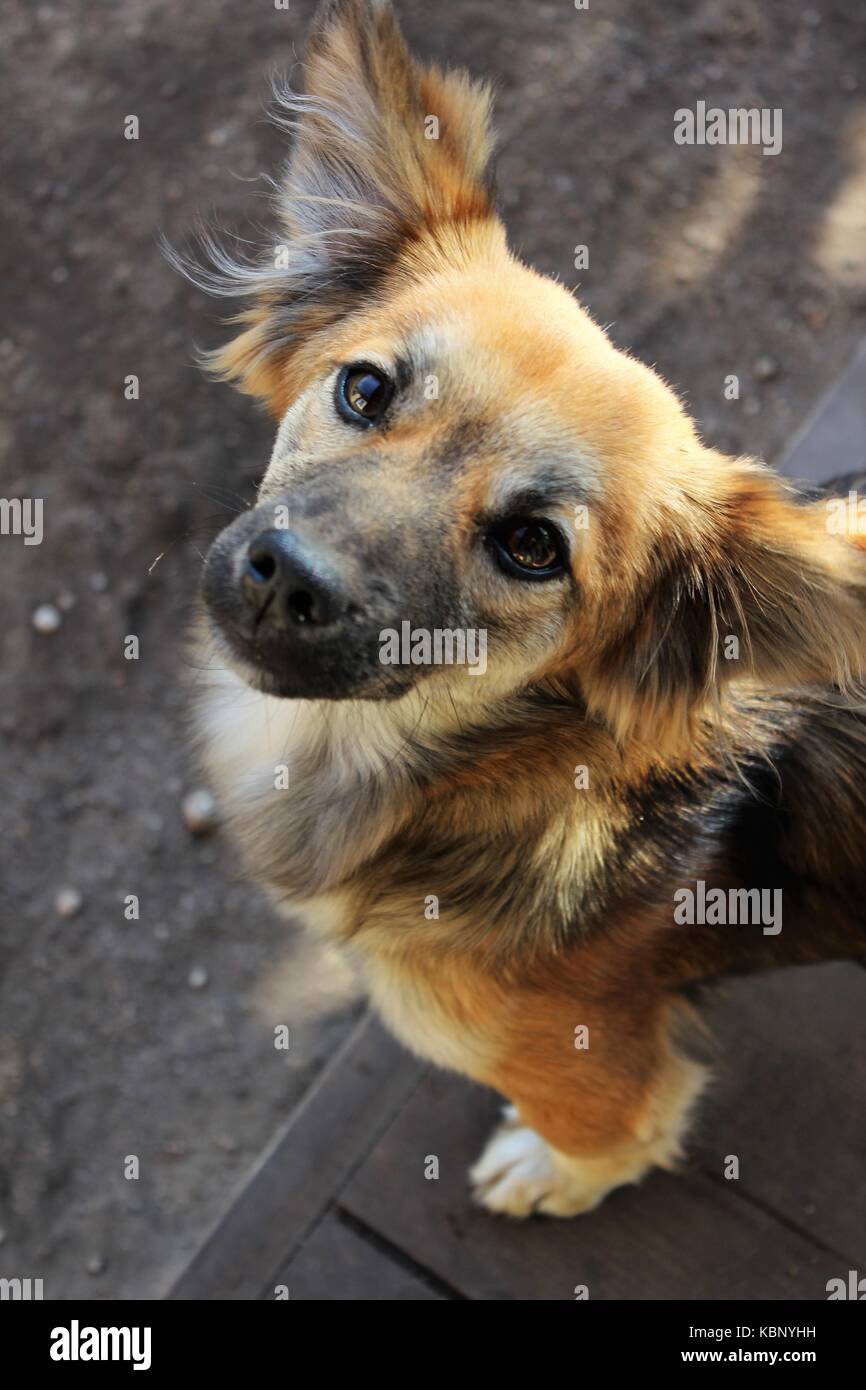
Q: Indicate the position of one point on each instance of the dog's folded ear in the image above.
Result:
(749, 585)
(388, 155)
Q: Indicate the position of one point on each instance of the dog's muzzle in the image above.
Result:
(300, 617)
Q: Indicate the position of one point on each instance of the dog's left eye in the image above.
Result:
(363, 394)
(528, 549)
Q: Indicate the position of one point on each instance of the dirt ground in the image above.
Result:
(155, 1038)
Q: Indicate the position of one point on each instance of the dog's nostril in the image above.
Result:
(261, 566)
(300, 606)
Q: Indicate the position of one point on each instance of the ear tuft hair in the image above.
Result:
(386, 153)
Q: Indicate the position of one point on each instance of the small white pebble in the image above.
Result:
(766, 368)
(68, 903)
(198, 977)
(200, 812)
(46, 618)
(95, 1265)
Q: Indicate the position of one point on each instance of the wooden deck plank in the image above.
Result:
(787, 1098)
(327, 1135)
(337, 1263)
(682, 1236)
(833, 439)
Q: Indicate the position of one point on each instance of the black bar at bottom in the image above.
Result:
(162, 1339)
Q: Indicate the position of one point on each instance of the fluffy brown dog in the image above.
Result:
(650, 772)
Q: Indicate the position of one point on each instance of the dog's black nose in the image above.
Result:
(287, 584)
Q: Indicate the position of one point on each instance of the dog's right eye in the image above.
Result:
(363, 394)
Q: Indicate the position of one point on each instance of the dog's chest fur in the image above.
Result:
(338, 822)
(296, 780)
(306, 840)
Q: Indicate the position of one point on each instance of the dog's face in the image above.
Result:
(440, 467)
(462, 450)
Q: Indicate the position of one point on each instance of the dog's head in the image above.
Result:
(462, 450)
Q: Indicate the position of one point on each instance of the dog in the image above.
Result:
(668, 709)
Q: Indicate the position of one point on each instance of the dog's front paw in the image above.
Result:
(520, 1173)
(515, 1171)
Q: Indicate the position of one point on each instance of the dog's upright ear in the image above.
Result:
(747, 584)
(388, 154)
(382, 137)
